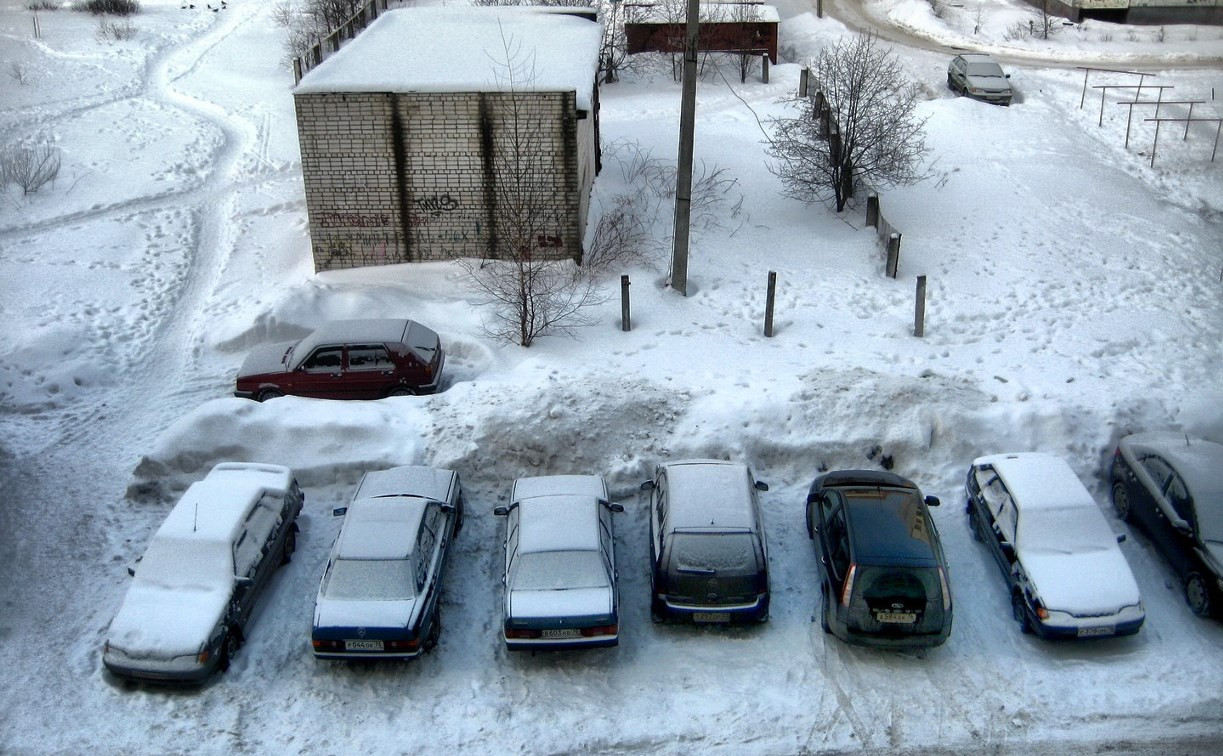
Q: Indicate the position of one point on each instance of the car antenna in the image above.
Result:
(1186, 439)
(195, 524)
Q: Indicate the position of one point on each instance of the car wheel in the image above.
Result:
(270, 394)
(1020, 610)
(1121, 501)
(435, 632)
(229, 647)
(973, 524)
(1197, 593)
(458, 517)
(401, 391)
(290, 546)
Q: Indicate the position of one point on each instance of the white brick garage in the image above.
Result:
(408, 132)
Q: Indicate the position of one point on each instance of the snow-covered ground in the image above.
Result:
(1075, 295)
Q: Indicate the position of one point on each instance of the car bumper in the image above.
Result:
(172, 672)
(713, 615)
(1095, 627)
(561, 644)
(367, 655)
(890, 640)
(992, 98)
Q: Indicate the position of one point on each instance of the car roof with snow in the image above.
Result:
(1037, 480)
(709, 493)
(215, 508)
(552, 485)
(1199, 462)
(558, 523)
(407, 480)
(380, 528)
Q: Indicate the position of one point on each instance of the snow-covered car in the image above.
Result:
(883, 575)
(1172, 487)
(185, 613)
(347, 359)
(560, 564)
(1065, 573)
(979, 76)
(709, 559)
(380, 596)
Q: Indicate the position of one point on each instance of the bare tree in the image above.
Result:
(30, 164)
(528, 292)
(874, 136)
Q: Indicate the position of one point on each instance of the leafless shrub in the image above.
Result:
(1106, 37)
(43, 5)
(30, 164)
(1161, 35)
(115, 31)
(622, 236)
(18, 72)
(1017, 31)
(109, 7)
(938, 8)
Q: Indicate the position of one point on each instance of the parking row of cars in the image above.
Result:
(883, 576)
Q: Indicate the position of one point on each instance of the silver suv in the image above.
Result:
(979, 76)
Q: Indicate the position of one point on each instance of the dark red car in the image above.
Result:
(347, 359)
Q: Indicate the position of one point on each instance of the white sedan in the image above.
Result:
(1065, 573)
(560, 564)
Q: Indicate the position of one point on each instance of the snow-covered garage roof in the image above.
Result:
(466, 49)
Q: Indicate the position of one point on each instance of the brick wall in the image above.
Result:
(433, 176)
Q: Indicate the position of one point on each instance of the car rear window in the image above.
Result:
(370, 580)
(714, 553)
(558, 570)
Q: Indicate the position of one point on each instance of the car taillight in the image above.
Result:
(942, 578)
(325, 645)
(849, 585)
(590, 632)
(521, 633)
(402, 645)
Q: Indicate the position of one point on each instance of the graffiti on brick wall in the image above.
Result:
(547, 241)
(359, 248)
(437, 204)
(354, 220)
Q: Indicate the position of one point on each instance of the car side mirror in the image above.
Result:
(242, 580)
(762, 486)
(339, 511)
(614, 507)
(647, 486)
(1008, 549)
(131, 571)
(446, 507)
(932, 501)
(1121, 538)
(501, 511)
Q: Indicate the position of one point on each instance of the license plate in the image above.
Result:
(899, 618)
(362, 645)
(711, 616)
(1093, 632)
(565, 633)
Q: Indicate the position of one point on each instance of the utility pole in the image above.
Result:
(683, 176)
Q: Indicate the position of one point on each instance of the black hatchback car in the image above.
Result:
(883, 573)
(1172, 487)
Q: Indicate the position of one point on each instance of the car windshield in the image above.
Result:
(715, 553)
(985, 69)
(1209, 513)
(371, 580)
(559, 570)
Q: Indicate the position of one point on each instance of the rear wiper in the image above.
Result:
(698, 570)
